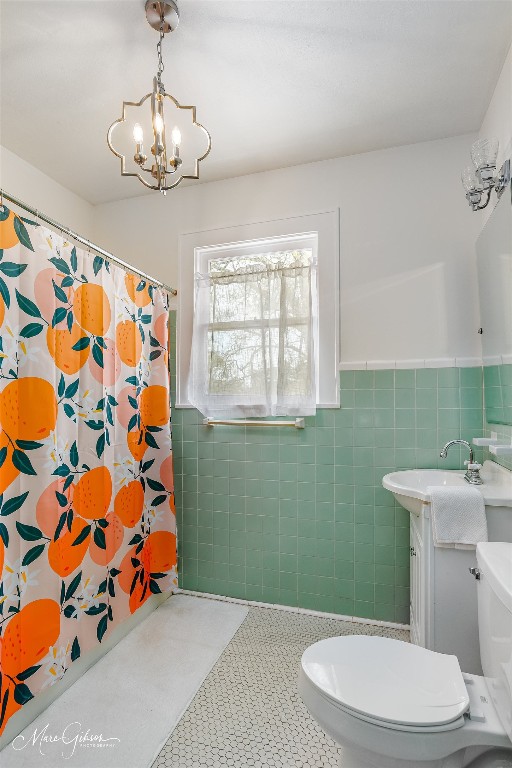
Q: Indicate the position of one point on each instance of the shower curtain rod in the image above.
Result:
(84, 241)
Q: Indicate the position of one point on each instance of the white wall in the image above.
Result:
(407, 235)
(25, 182)
(498, 118)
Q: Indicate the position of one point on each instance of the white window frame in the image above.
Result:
(196, 248)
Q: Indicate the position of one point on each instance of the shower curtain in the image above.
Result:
(87, 516)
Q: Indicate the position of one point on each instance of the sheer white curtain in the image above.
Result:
(253, 342)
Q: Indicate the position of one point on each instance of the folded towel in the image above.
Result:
(458, 517)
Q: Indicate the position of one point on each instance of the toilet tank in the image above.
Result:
(495, 624)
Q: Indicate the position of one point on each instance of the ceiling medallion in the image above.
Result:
(158, 115)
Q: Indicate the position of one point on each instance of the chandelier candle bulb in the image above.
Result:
(175, 160)
(176, 138)
(138, 136)
(159, 129)
(138, 133)
(159, 124)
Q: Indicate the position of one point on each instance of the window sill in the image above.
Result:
(320, 406)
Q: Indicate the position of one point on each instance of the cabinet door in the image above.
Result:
(418, 622)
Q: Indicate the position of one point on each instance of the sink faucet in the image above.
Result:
(472, 475)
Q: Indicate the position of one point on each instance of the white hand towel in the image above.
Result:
(458, 516)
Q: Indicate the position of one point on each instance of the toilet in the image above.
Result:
(391, 704)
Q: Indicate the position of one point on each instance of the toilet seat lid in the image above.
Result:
(388, 680)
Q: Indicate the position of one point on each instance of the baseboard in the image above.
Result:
(292, 609)
(33, 708)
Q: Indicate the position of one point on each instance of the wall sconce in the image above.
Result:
(478, 180)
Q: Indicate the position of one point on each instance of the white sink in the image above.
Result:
(411, 487)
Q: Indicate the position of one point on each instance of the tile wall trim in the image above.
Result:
(498, 360)
(432, 362)
(293, 609)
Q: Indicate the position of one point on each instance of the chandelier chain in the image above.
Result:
(161, 65)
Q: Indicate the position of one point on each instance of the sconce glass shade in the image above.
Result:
(484, 153)
(479, 179)
(469, 180)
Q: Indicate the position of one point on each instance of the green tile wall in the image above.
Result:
(299, 517)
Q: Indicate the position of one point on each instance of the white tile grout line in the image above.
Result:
(291, 609)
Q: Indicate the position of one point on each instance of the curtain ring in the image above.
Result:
(1, 200)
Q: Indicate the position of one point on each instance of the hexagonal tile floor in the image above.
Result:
(248, 711)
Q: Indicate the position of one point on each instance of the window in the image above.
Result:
(253, 348)
(258, 318)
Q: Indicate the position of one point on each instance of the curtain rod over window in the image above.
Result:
(84, 241)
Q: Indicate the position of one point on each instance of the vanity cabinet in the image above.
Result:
(444, 608)
(443, 597)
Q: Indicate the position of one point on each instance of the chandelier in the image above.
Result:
(158, 115)
(479, 179)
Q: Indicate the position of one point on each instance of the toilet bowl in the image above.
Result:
(396, 703)
(391, 704)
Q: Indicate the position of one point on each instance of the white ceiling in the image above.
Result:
(276, 82)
